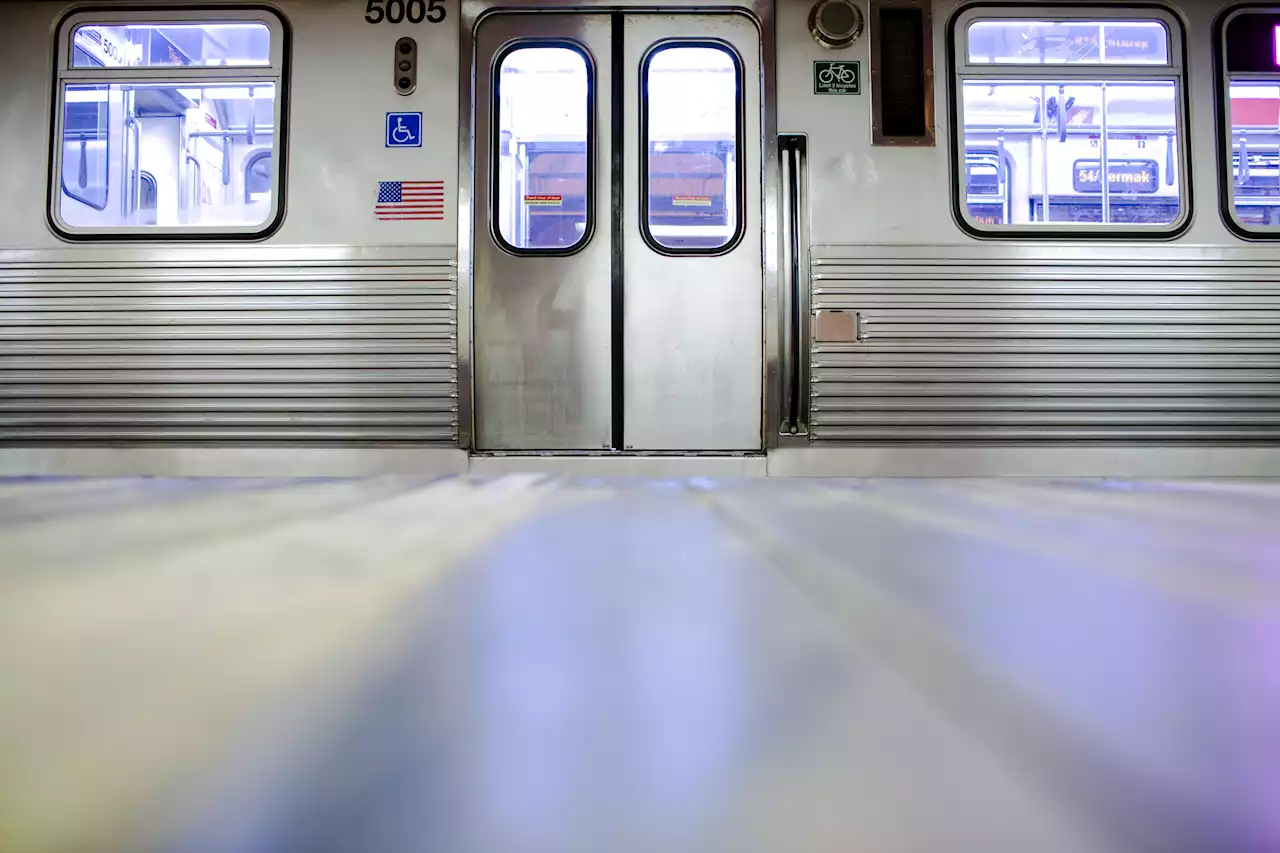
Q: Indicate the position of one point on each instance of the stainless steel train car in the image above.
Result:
(762, 236)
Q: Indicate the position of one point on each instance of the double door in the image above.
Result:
(618, 282)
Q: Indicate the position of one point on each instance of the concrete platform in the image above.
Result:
(528, 664)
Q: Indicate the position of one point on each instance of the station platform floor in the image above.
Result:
(532, 664)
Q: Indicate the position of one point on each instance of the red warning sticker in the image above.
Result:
(691, 201)
(543, 200)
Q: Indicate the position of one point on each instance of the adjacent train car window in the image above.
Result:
(1071, 124)
(148, 198)
(543, 149)
(258, 175)
(85, 146)
(1250, 78)
(691, 120)
(157, 114)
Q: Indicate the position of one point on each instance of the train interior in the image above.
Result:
(176, 155)
(544, 148)
(1033, 153)
(558, 426)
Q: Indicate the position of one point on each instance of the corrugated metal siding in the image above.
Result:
(252, 345)
(1048, 343)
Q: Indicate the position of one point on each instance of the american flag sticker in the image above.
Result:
(410, 200)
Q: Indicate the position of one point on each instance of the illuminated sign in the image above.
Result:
(1131, 176)
(108, 46)
(165, 52)
(123, 46)
(986, 214)
(1251, 42)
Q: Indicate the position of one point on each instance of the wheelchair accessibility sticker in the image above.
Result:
(404, 130)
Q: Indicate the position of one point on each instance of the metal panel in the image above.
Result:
(953, 344)
(542, 333)
(256, 344)
(694, 324)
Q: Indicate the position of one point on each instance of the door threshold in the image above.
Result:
(623, 463)
(616, 454)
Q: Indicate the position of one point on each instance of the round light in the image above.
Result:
(835, 23)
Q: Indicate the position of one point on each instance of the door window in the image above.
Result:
(542, 107)
(691, 117)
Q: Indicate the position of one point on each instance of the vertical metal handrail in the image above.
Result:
(1104, 173)
(135, 182)
(787, 289)
(1242, 173)
(131, 138)
(795, 286)
(131, 159)
(193, 183)
(124, 171)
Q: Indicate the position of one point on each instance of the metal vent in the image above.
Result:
(835, 23)
(901, 73)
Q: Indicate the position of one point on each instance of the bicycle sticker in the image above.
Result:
(837, 78)
(404, 130)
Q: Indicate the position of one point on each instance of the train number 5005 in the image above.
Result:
(396, 11)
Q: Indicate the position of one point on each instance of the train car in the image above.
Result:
(754, 236)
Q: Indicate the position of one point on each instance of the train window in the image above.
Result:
(543, 148)
(154, 45)
(1072, 125)
(1071, 42)
(157, 113)
(691, 119)
(1250, 77)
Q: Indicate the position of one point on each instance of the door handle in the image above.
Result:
(793, 286)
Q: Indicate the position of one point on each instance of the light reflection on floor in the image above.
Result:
(535, 664)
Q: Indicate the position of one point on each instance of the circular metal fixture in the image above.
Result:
(835, 23)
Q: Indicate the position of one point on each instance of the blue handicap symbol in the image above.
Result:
(404, 130)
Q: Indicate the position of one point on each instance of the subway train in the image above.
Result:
(791, 237)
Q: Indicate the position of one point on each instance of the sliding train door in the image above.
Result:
(618, 276)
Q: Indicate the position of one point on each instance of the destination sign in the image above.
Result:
(1131, 176)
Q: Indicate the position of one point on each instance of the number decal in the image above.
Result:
(399, 11)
